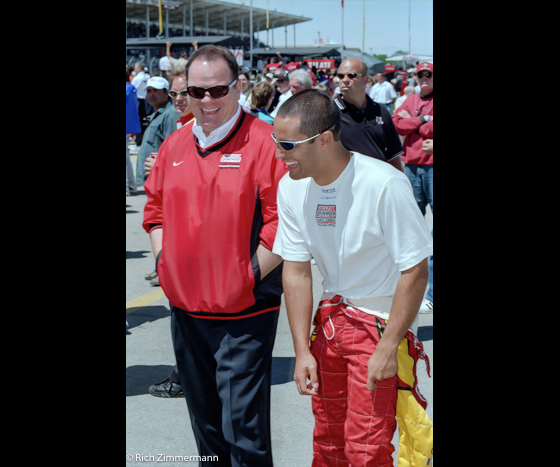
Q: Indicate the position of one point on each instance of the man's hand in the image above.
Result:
(306, 369)
(404, 114)
(428, 146)
(381, 366)
(149, 165)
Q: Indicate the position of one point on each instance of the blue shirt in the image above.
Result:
(132, 118)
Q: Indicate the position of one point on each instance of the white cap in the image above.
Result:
(157, 82)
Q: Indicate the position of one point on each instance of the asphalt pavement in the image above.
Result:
(158, 431)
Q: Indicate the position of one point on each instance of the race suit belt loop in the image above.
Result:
(332, 327)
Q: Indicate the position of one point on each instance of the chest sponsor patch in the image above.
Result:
(326, 215)
(230, 161)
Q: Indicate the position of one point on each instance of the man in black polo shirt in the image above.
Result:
(367, 127)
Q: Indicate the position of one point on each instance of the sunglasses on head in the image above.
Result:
(427, 74)
(350, 75)
(217, 92)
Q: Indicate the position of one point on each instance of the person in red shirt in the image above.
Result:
(211, 214)
(171, 387)
(414, 119)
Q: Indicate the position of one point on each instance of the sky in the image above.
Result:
(386, 24)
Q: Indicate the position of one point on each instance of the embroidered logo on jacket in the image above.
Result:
(230, 161)
(326, 215)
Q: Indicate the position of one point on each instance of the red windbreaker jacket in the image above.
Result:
(215, 205)
(414, 130)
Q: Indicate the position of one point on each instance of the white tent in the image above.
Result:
(411, 58)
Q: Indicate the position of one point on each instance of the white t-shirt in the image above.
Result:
(140, 82)
(382, 93)
(283, 97)
(165, 64)
(362, 230)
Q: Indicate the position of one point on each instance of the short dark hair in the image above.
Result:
(213, 53)
(317, 112)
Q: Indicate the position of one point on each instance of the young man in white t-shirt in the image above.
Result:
(357, 217)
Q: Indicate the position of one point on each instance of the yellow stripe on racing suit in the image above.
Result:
(416, 438)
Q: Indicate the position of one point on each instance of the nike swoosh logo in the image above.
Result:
(175, 164)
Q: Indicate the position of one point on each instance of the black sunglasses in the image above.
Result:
(350, 75)
(217, 92)
(427, 74)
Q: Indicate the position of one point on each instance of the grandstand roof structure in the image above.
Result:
(219, 17)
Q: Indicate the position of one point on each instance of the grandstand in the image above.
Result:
(206, 21)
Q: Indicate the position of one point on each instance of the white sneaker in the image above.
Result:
(426, 307)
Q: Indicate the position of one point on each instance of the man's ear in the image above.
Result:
(326, 139)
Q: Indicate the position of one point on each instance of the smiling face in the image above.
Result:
(181, 103)
(212, 113)
(302, 161)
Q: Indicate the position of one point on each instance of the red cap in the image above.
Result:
(425, 66)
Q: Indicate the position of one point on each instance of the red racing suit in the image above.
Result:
(215, 206)
(353, 426)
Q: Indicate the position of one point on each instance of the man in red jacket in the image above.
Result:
(211, 215)
(414, 119)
